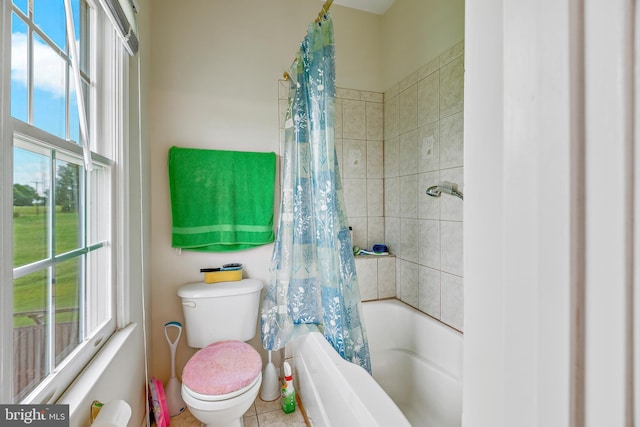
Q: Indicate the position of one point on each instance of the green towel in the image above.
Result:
(221, 200)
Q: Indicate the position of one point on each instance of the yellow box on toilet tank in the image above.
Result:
(222, 276)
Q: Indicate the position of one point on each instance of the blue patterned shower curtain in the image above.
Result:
(313, 277)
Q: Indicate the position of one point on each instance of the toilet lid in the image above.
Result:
(222, 368)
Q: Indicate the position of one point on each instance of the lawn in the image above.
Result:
(30, 244)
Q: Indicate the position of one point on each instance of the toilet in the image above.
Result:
(223, 378)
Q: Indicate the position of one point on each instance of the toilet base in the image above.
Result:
(235, 422)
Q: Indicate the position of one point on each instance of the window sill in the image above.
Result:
(80, 393)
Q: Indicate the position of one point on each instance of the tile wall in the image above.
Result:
(391, 148)
(359, 147)
(359, 137)
(376, 276)
(360, 150)
(423, 145)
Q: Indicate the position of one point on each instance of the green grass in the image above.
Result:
(30, 244)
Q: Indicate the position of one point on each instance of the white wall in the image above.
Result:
(215, 67)
(415, 32)
(530, 123)
(483, 386)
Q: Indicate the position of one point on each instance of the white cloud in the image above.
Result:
(49, 67)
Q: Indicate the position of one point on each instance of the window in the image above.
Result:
(62, 216)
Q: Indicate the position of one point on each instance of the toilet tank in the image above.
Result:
(220, 311)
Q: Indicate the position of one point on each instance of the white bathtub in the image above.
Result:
(417, 368)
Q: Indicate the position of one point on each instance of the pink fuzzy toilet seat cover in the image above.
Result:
(222, 368)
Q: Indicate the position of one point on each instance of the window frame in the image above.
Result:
(110, 73)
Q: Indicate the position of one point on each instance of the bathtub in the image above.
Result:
(417, 371)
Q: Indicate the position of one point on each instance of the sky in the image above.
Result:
(50, 74)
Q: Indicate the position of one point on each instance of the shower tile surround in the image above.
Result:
(390, 148)
(423, 145)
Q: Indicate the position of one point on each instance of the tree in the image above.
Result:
(67, 187)
(24, 195)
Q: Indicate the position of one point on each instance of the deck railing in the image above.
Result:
(29, 349)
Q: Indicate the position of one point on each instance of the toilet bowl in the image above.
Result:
(225, 412)
(222, 379)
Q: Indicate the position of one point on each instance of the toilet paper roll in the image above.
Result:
(113, 414)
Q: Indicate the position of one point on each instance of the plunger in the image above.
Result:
(270, 385)
(175, 403)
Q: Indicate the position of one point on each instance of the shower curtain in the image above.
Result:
(313, 280)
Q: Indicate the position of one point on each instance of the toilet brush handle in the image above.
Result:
(173, 344)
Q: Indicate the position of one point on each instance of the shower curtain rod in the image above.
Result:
(325, 9)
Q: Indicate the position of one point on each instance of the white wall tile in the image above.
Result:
(361, 162)
(386, 277)
(428, 207)
(348, 93)
(375, 233)
(451, 260)
(353, 119)
(409, 277)
(429, 147)
(392, 197)
(429, 243)
(392, 234)
(338, 146)
(355, 197)
(428, 69)
(409, 152)
(452, 87)
(423, 145)
(452, 141)
(375, 121)
(394, 91)
(451, 208)
(429, 291)
(337, 123)
(375, 159)
(408, 109)
(409, 231)
(360, 229)
(408, 201)
(391, 118)
(372, 96)
(452, 300)
(367, 270)
(398, 277)
(408, 81)
(429, 99)
(375, 197)
(392, 157)
(452, 53)
(354, 157)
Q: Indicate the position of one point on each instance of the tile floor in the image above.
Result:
(260, 414)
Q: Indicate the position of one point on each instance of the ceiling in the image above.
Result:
(378, 7)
